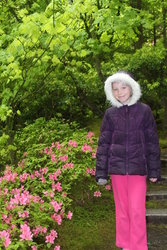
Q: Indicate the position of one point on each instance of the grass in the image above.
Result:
(93, 224)
(94, 126)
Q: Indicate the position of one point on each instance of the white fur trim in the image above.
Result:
(125, 78)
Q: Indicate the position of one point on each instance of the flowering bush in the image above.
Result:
(35, 195)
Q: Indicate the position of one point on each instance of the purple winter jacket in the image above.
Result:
(128, 143)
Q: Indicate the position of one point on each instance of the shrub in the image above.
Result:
(35, 196)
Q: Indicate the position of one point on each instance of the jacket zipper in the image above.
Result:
(127, 138)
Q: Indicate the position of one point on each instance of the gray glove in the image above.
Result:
(102, 181)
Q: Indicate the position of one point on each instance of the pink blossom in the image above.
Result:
(55, 175)
(5, 236)
(9, 176)
(37, 174)
(53, 157)
(13, 226)
(23, 177)
(97, 194)
(72, 143)
(57, 247)
(53, 145)
(87, 171)
(38, 230)
(53, 186)
(5, 191)
(92, 171)
(64, 195)
(44, 170)
(58, 187)
(57, 206)
(69, 215)
(43, 179)
(51, 194)
(15, 191)
(90, 134)
(32, 176)
(51, 237)
(86, 147)
(24, 199)
(34, 248)
(108, 187)
(68, 165)
(43, 230)
(25, 232)
(94, 155)
(57, 218)
(58, 146)
(46, 150)
(25, 214)
(63, 158)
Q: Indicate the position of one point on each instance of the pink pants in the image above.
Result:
(130, 196)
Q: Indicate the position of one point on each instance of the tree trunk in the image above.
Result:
(11, 133)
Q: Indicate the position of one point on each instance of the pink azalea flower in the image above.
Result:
(46, 150)
(57, 206)
(13, 226)
(64, 195)
(25, 214)
(97, 194)
(92, 171)
(72, 143)
(86, 147)
(58, 187)
(44, 170)
(25, 232)
(63, 158)
(37, 174)
(5, 236)
(34, 248)
(51, 237)
(108, 187)
(57, 218)
(58, 146)
(90, 134)
(53, 186)
(43, 179)
(94, 155)
(53, 157)
(53, 145)
(87, 171)
(69, 215)
(23, 177)
(5, 191)
(57, 247)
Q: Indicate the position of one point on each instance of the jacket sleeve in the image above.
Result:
(152, 146)
(104, 143)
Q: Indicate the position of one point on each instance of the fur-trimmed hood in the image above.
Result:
(127, 79)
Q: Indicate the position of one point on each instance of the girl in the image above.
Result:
(128, 150)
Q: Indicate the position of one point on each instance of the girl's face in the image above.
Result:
(121, 92)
